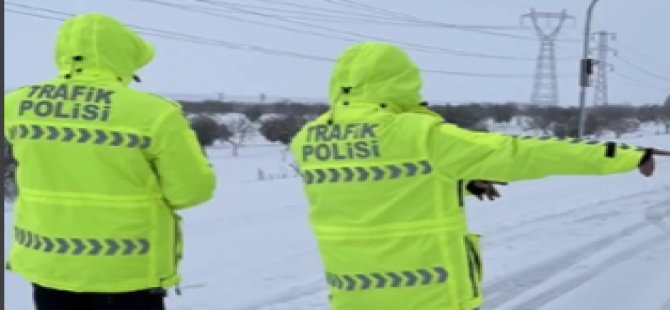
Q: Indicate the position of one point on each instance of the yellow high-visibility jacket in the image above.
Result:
(385, 179)
(101, 168)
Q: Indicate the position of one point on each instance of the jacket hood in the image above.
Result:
(376, 73)
(100, 44)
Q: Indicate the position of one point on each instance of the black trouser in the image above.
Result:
(51, 299)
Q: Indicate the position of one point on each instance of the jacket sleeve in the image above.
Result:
(184, 173)
(463, 154)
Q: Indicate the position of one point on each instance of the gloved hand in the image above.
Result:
(482, 188)
(648, 164)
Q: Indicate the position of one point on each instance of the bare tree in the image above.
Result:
(542, 123)
(206, 129)
(241, 129)
(282, 129)
(625, 125)
(253, 112)
(617, 118)
(503, 113)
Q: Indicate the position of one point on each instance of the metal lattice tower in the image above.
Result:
(545, 85)
(602, 66)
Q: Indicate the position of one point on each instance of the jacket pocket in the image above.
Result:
(473, 252)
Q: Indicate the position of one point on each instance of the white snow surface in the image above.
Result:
(564, 243)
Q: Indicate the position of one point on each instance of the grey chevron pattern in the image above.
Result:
(578, 141)
(396, 171)
(96, 247)
(53, 133)
(81, 246)
(335, 175)
(366, 174)
(38, 132)
(80, 135)
(384, 280)
(396, 279)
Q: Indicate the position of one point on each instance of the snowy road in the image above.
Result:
(577, 243)
(580, 271)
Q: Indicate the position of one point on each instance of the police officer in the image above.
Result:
(386, 179)
(102, 170)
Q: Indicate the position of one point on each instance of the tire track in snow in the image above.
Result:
(509, 287)
(573, 283)
(581, 214)
(506, 289)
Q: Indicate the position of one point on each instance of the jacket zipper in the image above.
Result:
(177, 252)
(460, 193)
(473, 266)
(176, 255)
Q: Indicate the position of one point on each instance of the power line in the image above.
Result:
(244, 9)
(479, 75)
(382, 19)
(318, 13)
(409, 45)
(423, 21)
(177, 36)
(415, 19)
(481, 30)
(640, 69)
(340, 15)
(312, 12)
(34, 15)
(640, 83)
(182, 37)
(650, 59)
(208, 11)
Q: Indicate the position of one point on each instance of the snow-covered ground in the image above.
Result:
(570, 243)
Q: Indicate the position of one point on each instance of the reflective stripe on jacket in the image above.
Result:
(384, 177)
(101, 168)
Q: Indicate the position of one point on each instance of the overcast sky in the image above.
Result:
(642, 68)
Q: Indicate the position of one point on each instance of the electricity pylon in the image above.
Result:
(602, 66)
(545, 85)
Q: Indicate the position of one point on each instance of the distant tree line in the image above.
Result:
(558, 121)
(553, 120)
(252, 110)
(277, 128)
(279, 122)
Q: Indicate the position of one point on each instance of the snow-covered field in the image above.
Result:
(570, 243)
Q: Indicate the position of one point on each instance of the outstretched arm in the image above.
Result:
(464, 154)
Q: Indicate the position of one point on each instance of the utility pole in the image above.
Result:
(545, 85)
(602, 66)
(586, 69)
